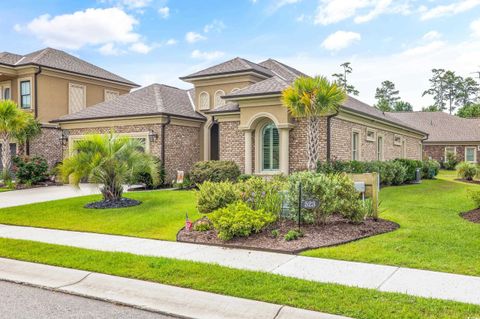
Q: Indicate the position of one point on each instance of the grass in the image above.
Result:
(432, 235)
(160, 216)
(3, 189)
(331, 298)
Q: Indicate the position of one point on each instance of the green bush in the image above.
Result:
(466, 170)
(202, 225)
(214, 171)
(430, 169)
(475, 196)
(212, 196)
(411, 167)
(335, 193)
(239, 220)
(30, 170)
(293, 235)
(244, 177)
(146, 179)
(451, 161)
(259, 193)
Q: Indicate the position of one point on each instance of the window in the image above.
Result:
(380, 148)
(397, 140)
(449, 150)
(77, 98)
(218, 98)
(204, 101)
(25, 95)
(270, 147)
(355, 146)
(370, 135)
(6, 94)
(471, 154)
(404, 148)
(110, 95)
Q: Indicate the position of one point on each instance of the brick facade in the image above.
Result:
(48, 145)
(232, 143)
(437, 152)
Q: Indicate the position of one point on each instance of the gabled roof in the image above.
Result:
(236, 65)
(441, 126)
(273, 85)
(62, 61)
(284, 71)
(155, 99)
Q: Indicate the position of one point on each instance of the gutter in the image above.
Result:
(162, 157)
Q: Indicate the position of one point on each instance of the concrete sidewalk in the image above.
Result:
(169, 300)
(383, 278)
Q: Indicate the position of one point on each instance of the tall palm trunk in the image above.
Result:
(313, 142)
(6, 156)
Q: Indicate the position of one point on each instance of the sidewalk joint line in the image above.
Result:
(282, 264)
(76, 282)
(278, 312)
(388, 278)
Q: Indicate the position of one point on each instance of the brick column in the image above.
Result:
(248, 151)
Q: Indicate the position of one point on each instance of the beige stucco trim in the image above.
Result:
(226, 78)
(248, 152)
(86, 79)
(359, 146)
(144, 135)
(380, 156)
(227, 117)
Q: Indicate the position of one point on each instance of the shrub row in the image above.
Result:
(395, 172)
(214, 171)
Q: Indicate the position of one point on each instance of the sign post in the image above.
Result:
(305, 204)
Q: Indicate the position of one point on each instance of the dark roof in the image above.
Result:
(236, 65)
(441, 126)
(63, 61)
(155, 99)
(284, 71)
(228, 107)
(273, 85)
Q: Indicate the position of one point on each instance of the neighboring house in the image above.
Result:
(50, 83)
(234, 112)
(446, 134)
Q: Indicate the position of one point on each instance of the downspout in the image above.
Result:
(35, 98)
(163, 139)
(329, 133)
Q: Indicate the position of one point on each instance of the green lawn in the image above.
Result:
(4, 189)
(353, 302)
(160, 216)
(432, 235)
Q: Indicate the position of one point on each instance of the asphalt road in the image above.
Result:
(22, 302)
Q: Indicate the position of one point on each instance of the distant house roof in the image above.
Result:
(441, 126)
(236, 65)
(155, 99)
(63, 61)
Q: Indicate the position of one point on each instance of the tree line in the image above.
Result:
(449, 91)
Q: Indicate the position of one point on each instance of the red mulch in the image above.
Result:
(337, 231)
(473, 216)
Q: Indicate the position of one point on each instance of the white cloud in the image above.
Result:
(212, 55)
(340, 40)
(432, 35)
(453, 8)
(333, 11)
(109, 49)
(216, 25)
(423, 49)
(171, 42)
(130, 4)
(164, 12)
(281, 3)
(140, 47)
(81, 28)
(475, 26)
(193, 37)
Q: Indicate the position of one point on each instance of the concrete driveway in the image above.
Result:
(44, 194)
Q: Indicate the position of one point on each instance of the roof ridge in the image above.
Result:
(283, 66)
(41, 54)
(158, 98)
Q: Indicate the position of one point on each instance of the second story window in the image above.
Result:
(25, 94)
(218, 98)
(77, 98)
(204, 101)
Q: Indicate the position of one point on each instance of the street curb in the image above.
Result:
(163, 299)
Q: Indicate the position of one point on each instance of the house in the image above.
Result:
(446, 134)
(234, 112)
(49, 84)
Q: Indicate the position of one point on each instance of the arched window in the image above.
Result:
(270, 148)
(218, 98)
(204, 101)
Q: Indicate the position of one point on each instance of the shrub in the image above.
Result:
(259, 193)
(214, 171)
(293, 235)
(212, 196)
(451, 161)
(146, 179)
(430, 169)
(399, 173)
(335, 193)
(275, 233)
(411, 167)
(244, 177)
(466, 170)
(30, 170)
(239, 220)
(475, 196)
(202, 225)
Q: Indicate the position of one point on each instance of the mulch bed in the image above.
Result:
(467, 181)
(473, 216)
(105, 204)
(336, 231)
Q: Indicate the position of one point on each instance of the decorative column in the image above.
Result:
(284, 150)
(248, 151)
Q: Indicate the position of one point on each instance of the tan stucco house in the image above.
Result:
(446, 134)
(50, 83)
(234, 112)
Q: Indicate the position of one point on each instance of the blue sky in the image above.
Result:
(159, 40)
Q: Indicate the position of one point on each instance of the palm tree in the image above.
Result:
(110, 160)
(313, 98)
(14, 123)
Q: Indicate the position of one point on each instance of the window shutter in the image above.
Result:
(77, 100)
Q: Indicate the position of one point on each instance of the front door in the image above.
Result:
(214, 143)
